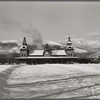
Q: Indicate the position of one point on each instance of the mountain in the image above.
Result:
(90, 46)
(80, 50)
(52, 43)
(95, 55)
(9, 46)
(9, 41)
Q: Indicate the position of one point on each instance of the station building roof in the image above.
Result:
(54, 52)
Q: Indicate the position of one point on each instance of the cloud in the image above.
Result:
(93, 34)
(9, 24)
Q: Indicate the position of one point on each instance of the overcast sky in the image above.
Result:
(54, 20)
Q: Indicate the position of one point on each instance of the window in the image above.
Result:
(68, 54)
(24, 55)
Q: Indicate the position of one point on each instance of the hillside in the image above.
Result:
(95, 55)
(9, 46)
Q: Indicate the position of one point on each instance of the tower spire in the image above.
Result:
(69, 43)
(69, 40)
(24, 50)
(24, 42)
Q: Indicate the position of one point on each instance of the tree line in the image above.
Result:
(8, 58)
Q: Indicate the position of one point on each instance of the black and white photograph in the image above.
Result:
(49, 50)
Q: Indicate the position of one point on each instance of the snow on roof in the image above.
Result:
(70, 46)
(37, 52)
(23, 47)
(69, 42)
(54, 52)
(58, 52)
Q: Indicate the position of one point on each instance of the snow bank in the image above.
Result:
(34, 73)
(4, 67)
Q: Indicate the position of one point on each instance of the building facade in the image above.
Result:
(47, 55)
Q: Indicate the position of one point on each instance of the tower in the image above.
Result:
(24, 51)
(69, 49)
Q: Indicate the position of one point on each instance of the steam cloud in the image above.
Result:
(35, 35)
(37, 39)
(32, 35)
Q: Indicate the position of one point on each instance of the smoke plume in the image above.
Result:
(37, 39)
(35, 36)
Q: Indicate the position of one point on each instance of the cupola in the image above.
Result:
(24, 51)
(69, 43)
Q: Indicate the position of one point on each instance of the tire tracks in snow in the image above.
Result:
(71, 90)
(60, 90)
(53, 81)
(4, 76)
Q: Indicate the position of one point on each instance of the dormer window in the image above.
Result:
(23, 47)
(69, 46)
(24, 55)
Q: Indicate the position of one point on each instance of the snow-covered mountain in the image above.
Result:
(52, 43)
(76, 49)
(9, 41)
(90, 46)
(9, 46)
(95, 55)
(80, 50)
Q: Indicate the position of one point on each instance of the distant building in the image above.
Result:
(47, 55)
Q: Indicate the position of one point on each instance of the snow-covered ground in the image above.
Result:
(55, 81)
(50, 81)
(5, 72)
(34, 73)
(4, 67)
